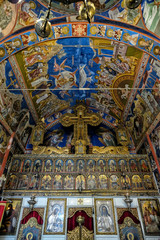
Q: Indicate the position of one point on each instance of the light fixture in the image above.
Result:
(32, 202)
(15, 1)
(132, 4)
(43, 26)
(86, 11)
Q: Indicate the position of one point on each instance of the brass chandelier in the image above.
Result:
(86, 12)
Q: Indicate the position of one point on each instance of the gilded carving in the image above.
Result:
(86, 234)
(50, 150)
(110, 150)
(80, 120)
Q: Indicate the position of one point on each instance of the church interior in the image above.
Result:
(79, 119)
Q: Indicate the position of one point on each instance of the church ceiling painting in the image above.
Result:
(151, 15)
(109, 65)
(4, 138)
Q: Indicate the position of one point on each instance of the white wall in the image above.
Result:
(87, 202)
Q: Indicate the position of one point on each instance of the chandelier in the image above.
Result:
(86, 12)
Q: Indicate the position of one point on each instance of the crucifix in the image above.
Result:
(80, 119)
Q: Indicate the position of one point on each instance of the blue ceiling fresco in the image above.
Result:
(111, 65)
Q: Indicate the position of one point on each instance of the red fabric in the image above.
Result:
(2, 209)
(6, 154)
(72, 223)
(128, 214)
(30, 215)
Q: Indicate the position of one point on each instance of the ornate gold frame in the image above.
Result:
(121, 139)
(109, 190)
(20, 202)
(64, 217)
(103, 200)
(86, 234)
(142, 215)
(128, 222)
(32, 222)
(38, 130)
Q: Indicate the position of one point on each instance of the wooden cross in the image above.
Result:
(80, 120)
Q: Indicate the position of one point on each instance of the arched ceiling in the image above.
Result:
(112, 64)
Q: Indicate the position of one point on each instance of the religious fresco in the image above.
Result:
(121, 13)
(46, 182)
(101, 165)
(150, 211)
(31, 224)
(128, 224)
(113, 68)
(4, 138)
(12, 181)
(23, 182)
(7, 19)
(80, 182)
(57, 182)
(48, 165)
(11, 217)
(14, 110)
(27, 165)
(144, 114)
(146, 103)
(55, 216)
(105, 216)
(45, 65)
(34, 182)
(150, 11)
(122, 165)
(155, 136)
(27, 13)
(69, 165)
(71, 173)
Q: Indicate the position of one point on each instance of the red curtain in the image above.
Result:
(30, 215)
(88, 221)
(2, 209)
(128, 214)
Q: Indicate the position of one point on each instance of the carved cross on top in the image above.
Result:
(80, 119)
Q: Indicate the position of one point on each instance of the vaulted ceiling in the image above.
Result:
(112, 64)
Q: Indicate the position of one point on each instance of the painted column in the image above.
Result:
(6, 154)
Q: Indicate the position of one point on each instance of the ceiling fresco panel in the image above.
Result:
(151, 15)
(111, 65)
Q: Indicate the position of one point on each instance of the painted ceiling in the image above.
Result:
(112, 64)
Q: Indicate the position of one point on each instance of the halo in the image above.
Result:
(3, 50)
(141, 39)
(56, 206)
(65, 30)
(32, 4)
(93, 30)
(34, 36)
(156, 48)
(109, 31)
(17, 40)
(101, 206)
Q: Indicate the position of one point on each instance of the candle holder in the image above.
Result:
(128, 200)
(32, 202)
